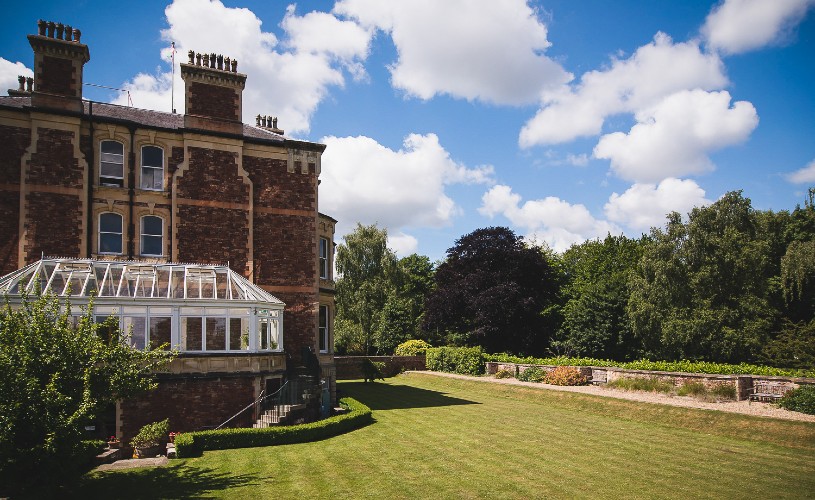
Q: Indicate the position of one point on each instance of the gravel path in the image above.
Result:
(745, 407)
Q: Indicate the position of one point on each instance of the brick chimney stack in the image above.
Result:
(58, 61)
(213, 93)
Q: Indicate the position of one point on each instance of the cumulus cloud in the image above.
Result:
(643, 206)
(738, 26)
(804, 175)
(551, 220)
(653, 72)
(364, 181)
(287, 78)
(9, 71)
(402, 244)
(673, 137)
(472, 49)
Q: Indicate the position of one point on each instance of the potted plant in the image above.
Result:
(114, 443)
(148, 442)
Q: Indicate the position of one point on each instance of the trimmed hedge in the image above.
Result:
(660, 366)
(192, 444)
(463, 360)
(412, 347)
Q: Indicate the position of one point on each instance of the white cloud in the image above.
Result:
(804, 175)
(286, 79)
(737, 26)
(673, 138)
(471, 49)
(551, 220)
(9, 71)
(654, 71)
(402, 244)
(364, 181)
(643, 206)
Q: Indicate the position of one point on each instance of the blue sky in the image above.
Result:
(563, 120)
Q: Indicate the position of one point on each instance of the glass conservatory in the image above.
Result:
(194, 308)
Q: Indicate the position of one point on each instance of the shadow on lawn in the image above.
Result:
(378, 396)
(179, 481)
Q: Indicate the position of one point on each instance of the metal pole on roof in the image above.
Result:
(172, 80)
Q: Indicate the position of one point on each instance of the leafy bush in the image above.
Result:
(664, 366)
(723, 391)
(154, 434)
(191, 444)
(463, 360)
(692, 389)
(652, 384)
(564, 375)
(532, 374)
(801, 399)
(503, 374)
(372, 370)
(411, 348)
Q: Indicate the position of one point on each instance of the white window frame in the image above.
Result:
(120, 233)
(142, 235)
(152, 169)
(323, 332)
(120, 180)
(324, 261)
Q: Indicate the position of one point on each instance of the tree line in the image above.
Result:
(727, 283)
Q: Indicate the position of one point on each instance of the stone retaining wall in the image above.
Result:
(349, 367)
(603, 375)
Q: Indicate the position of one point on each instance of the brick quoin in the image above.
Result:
(175, 159)
(190, 404)
(210, 235)
(54, 163)
(58, 76)
(52, 225)
(209, 100)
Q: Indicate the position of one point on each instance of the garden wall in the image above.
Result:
(602, 375)
(349, 367)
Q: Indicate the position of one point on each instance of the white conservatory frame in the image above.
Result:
(144, 295)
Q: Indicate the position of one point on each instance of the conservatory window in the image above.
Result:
(267, 331)
(111, 163)
(160, 328)
(110, 233)
(323, 329)
(136, 327)
(152, 235)
(152, 168)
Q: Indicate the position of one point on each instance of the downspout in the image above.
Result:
(91, 180)
(131, 192)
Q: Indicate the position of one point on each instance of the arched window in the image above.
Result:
(110, 233)
(152, 168)
(152, 235)
(111, 163)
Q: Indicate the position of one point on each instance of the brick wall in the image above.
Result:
(213, 175)
(53, 163)
(53, 225)
(14, 141)
(190, 404)
(58, 76)
(210, 100)
(213, 235)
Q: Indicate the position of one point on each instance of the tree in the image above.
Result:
(404, 310)
(493, 291)
(701, 290)
(366, 266)
(55, 378)
(595, 323)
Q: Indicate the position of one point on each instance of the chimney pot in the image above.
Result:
(60, 31)
(234, 65)
(220, 61)
(205, 57)
(274, 122)
(41, 27)
(191, 55)
(69, 34)
(51, 28)
(77, 34)
(226, 63)
(212, 57)
(263, 121)
(29, 83)
(21, 80)
(257, 118)
(198, 59)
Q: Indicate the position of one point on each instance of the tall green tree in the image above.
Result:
(493, 291)
(595, 323)
(366, 267)
(701, 290)
(403, 313)
(55, 378)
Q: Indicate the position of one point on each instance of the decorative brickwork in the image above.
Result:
(14, 140)
(175, 159)
(213, 235)
(276, 187)
(58, 76)
(217, 102)
(213, 176)
(54, 163)
(190, 404)
(52, 227)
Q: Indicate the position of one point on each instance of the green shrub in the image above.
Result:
(696, 389)
(502, 373)
(641, 384)
(463, 360)
(154, 434)
(564, 375)
(412, 348)
(191, 444)
(532, 374)
(372, 370)
(801, 399)
(723, 391)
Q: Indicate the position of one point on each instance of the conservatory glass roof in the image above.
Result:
(128, 279)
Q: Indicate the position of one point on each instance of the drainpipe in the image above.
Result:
(131, 192)
(91, 180)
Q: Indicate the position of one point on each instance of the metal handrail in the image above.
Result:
(254, 403)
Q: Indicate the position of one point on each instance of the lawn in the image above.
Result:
(436, 437)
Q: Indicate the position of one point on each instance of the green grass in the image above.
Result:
(436, 437)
